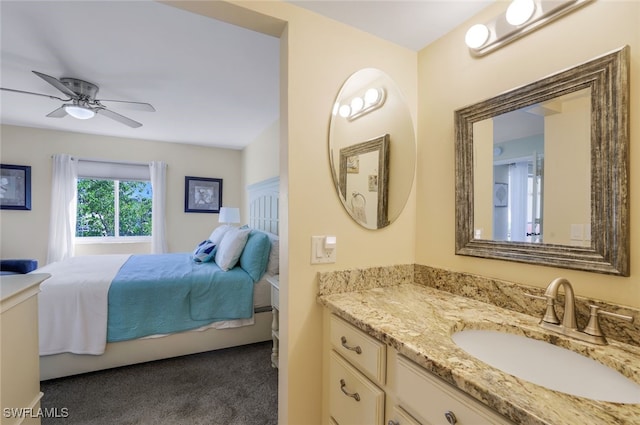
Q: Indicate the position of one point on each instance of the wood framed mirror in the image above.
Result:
(364, 175)
(594, 237)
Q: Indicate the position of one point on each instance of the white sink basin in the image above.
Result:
(549, 366)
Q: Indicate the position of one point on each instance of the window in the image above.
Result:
(114, 201)
(113, 208)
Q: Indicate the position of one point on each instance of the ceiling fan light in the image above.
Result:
(79, 112)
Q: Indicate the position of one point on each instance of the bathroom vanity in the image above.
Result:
(391, 348)
(367, 379)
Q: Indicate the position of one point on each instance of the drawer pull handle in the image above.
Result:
(451, 418)
(343, 384)
(357, 348)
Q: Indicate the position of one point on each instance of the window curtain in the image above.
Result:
(62, 222)
(158, 171)
(519, 175)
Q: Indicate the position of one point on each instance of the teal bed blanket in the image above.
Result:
(166, 293)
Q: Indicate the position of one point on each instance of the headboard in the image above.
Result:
(263, 205)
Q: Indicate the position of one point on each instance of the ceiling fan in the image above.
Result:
(82, 100)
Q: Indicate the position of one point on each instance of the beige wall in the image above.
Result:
(317, 56)
(449, 78)
(260, 161)
(568, 137)
(25, 233)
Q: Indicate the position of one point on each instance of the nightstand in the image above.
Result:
(275, 324)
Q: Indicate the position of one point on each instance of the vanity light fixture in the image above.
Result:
(520, 18)
(476, 36)
(359, 105)
(520, 11)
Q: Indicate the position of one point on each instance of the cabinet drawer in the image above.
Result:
(353, 399)
(429, 398)
(363, 351)
(400, 417)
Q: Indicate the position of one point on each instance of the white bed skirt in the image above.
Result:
(149, 349)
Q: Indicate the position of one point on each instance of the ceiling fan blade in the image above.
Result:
(57, 84)
(120, 118)
(137, 106)
(35, 94)
(58, 113)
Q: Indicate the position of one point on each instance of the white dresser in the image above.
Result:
(19, 355)
(275, 324)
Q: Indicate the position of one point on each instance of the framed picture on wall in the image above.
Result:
(353, 164)
(202, 194)
(15, 187)
(500, 194)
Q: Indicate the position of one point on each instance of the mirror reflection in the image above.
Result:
(364, 180)
(372, 148)
(542, 170)
(532, 173)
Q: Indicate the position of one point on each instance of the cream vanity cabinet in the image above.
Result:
(370, 383)
(356, 374)
(434, 401)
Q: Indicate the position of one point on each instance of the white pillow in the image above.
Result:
(273, 266)
(218, 233)
(231, 247)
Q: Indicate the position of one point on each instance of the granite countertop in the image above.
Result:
(418, 321)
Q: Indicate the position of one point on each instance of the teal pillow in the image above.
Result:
(255, 255)
(205, 251)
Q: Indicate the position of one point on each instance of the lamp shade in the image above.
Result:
(229, 215)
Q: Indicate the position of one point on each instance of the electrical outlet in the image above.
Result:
(323, 249)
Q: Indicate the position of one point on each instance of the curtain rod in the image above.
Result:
(108, 161)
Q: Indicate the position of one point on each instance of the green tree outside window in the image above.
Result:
(108, 208)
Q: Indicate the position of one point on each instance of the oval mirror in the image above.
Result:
(372, 148)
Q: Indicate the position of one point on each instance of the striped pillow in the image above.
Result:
(204, 252)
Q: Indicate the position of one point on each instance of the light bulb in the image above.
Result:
(336, 108)
(371, 96)
(520, 11)
(79, 112)
(344, 111)
(356, 105)
(477, 36)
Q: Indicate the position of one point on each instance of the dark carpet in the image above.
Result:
(234, 386)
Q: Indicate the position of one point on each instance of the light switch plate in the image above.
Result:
(577, 232)
(320, 255)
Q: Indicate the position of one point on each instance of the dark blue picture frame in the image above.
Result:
(15, 187)
(202, 195)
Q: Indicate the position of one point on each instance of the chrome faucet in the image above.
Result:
(591, 333)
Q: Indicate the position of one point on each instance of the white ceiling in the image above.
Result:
(413, 24)
(211, 83)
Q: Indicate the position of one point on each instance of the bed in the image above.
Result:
(188, 306)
